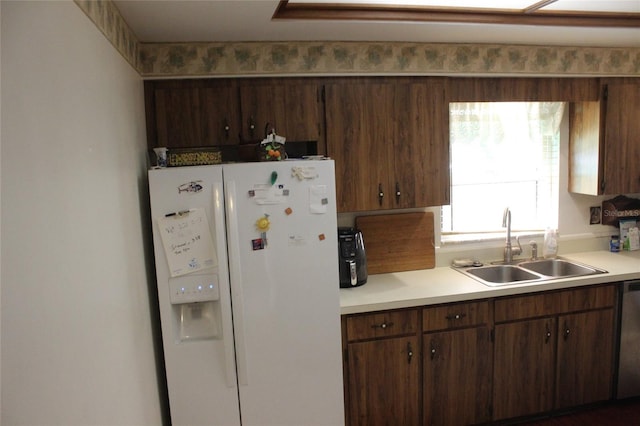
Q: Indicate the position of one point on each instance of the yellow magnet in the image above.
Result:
(263, 223)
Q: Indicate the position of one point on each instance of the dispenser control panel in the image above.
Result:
(193, 288)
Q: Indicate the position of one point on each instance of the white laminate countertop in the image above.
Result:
(444, 284)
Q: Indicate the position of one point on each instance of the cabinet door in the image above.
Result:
(195, 115)
(457, 377)
(420, 157)
(622, 150)
(585, 358)
(291, 108)
(524, 363)
(360, 125)
(384, 382)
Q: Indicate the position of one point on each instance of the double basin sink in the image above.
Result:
(527, 271)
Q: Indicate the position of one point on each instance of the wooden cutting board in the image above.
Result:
(398, 242)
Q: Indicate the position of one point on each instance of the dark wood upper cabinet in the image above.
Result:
(192, 113)
(389, 136)
(214, 112)
(293, 108)
(603, 141)
(390, 141)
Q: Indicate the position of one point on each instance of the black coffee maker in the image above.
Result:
(353, 259)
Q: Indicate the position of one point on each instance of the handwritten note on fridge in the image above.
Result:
(187, 241)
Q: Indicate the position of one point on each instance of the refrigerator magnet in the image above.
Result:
(257, 244)
(304, 173)
(263, 224)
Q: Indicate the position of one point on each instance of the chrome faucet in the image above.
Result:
(509, 251)
(534, 249)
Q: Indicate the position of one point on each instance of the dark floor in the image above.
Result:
(619, 413)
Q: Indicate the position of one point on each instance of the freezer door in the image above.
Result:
(195, 308)
(283, 260)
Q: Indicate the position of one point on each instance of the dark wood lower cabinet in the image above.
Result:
(457, 377)
(553, 350)
(524, 368)
(481, 361)
(384, 380)
(585, 358)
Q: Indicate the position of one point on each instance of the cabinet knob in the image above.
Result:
(380, 194)
(252, 125)
(455, 316)
(409, 352)
(397, 192)
(548, 335)
(383, 326)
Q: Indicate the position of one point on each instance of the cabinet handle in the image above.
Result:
(409, 352)
(383, 326)
(548, 335)
(433, 352)
(455, 316)
(252, 125)
(380, 194)
(566, 331)
(226, 128)
(397, 192)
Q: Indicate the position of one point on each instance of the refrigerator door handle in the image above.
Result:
(235, 273)
(227, 326)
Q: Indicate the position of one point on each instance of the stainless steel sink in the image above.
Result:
(501, 274)
(529, 271)
(559, 268)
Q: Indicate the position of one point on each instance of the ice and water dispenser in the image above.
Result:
(195, 305)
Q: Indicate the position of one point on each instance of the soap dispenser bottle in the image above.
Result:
(550, 248)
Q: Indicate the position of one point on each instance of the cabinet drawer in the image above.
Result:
(455, 315)
(382, 324)
(552, 303)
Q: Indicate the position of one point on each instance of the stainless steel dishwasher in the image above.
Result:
(629, 366)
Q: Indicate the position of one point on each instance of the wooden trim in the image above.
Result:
(373, 12)
(523, 89)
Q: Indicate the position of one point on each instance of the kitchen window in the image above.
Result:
(503, 154)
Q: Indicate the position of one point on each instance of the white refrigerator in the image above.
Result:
(247, 271)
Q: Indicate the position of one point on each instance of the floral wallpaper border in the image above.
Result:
(381, 58)
(344, 58)
(106, 16)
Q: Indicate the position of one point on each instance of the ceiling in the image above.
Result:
(157, 21)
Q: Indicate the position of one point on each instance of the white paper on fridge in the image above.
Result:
(318, 200)
(187, 241)
(264, 194)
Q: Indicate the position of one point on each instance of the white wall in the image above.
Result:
(77, 345)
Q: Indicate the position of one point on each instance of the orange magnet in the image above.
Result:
(288, 211)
